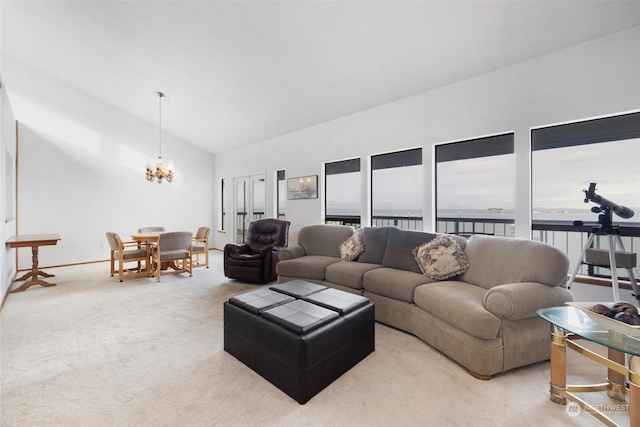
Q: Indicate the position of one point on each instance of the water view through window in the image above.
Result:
(475, 190)
(397, 189)
(342, 190)
(559, 175)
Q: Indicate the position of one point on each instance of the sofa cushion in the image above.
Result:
(441, 258)
(351, 248)
(306, 267)
(323, 239)
(496, 261)
(349, 274)
(399, 251)
(392, 283)
(375, 244)
(461, 305)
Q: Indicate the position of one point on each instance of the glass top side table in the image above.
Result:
(619, 342)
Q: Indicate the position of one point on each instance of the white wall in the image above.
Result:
(588, 80)
(81, 171)
(7, 190)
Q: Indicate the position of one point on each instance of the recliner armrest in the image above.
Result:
(521, 300)
(232, 248)
(291, 252)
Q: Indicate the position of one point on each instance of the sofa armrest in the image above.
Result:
(521, 300)
(291, 252)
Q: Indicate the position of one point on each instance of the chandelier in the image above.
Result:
(159, 172)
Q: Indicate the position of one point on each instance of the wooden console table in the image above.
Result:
(34, 241)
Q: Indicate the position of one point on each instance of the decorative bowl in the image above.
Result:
(607, 322)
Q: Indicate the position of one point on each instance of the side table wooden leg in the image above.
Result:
(28, 284)
(558, 367)
(33, 274)
(25, 276)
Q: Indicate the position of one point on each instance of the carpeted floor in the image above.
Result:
(96, 352)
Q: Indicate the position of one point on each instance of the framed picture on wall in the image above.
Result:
(303, 187)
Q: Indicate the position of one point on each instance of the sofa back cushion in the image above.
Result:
(375, 244)
(324, 239)
(497, 261)
(400, 246)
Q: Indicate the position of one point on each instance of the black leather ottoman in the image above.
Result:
(300, 338)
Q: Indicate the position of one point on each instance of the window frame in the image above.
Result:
(497, 144)
(336, 167)
(281, 177)
(395, 159)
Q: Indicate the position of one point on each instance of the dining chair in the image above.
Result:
(148, 229)
(127, 252)
(173, 250)
(200, 245)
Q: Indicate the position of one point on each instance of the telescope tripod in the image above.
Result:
(613, 234)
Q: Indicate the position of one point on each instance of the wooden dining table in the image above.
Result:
(150, 238)
(147, 237)
(34, 241)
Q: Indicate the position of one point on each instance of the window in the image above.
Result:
(397, 189)
(258, 197)
(221, 214)
(250, 203)
(567, 158)
(281, 194)
(475, 186)
(9, 187)
(342, 192)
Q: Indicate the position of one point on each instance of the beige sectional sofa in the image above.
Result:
(484, 318)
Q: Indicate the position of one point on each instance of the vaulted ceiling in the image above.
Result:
(237, 73)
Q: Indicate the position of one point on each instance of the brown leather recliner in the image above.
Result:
(255, 261)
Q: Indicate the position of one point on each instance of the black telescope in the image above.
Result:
(621, 211)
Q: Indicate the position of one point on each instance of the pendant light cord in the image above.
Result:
(160, 95)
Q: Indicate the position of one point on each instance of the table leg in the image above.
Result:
(616, 379)
(634, 390)
(558, 369)
(33, 274)
(165, 265)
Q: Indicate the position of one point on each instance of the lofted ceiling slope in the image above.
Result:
(237, 73)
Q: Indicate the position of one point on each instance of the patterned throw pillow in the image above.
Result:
(441, 258)
(351, 248)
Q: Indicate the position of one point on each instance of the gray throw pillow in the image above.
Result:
(400, 246)
(375, 243)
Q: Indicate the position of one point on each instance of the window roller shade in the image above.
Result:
(475, 148)
(397, 160)
(342, 166)
(617, 128)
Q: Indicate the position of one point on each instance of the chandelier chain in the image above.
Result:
(160, 95)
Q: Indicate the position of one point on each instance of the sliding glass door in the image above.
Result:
(249, 202)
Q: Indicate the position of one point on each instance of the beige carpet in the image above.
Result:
(96, 352)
